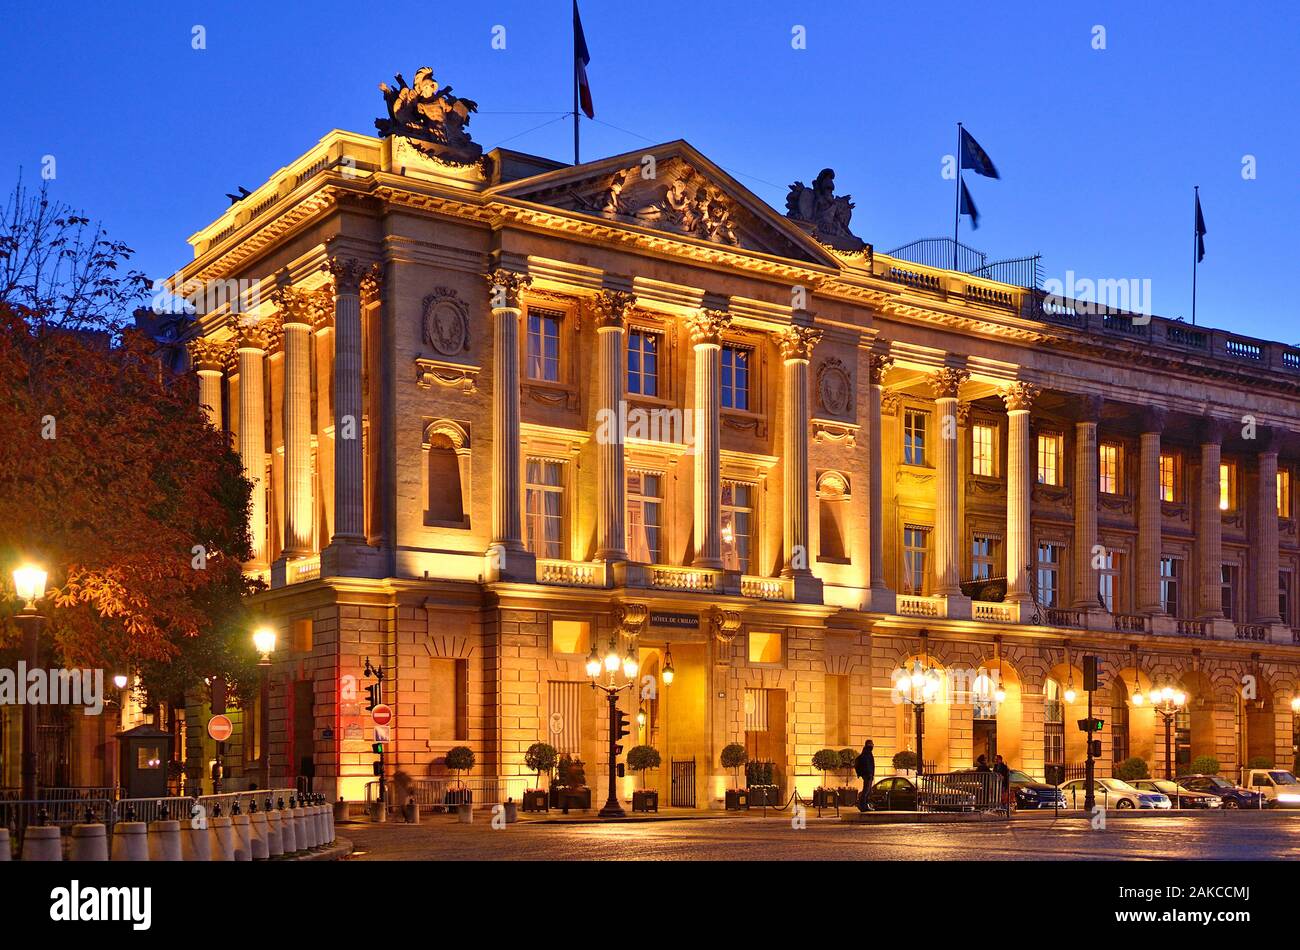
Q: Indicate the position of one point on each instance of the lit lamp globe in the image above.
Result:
(264, 643)
(611, 660)
(668, 674)
(1070, 694)
(1138, 699)
(593, 664)
(630, 665)
(1000, 695)
(29, 583)
(1295, 704)
(119, 681)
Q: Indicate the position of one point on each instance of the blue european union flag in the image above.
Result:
(968, 207)
(975, 158)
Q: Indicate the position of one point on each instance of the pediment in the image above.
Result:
(676, 190)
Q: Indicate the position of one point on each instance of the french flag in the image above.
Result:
(581, 57)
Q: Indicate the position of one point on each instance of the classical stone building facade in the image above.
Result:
(501, 411)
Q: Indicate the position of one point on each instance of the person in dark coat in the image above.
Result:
(1003, 772)
(865, 767)
(982, 764)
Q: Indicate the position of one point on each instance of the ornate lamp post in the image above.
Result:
(264, 644)
(918, 688)
(617, 719)
(29, 584)
(1168, 702)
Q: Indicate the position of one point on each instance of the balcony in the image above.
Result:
(685, 578)
(911, 605)
(570, 573)
(1251, 631)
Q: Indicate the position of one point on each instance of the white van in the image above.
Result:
(1278, 786)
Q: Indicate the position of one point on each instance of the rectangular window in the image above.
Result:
(916, 551)
(983, 554)
(643, 363)
(1284, 596)
(570, 636)
(764, 647)
(914, 422)
(1227, 486)
(544, 345)
(1171, 572)
(1171, 477)
(1049, 575)
(737, 525)
(544, 507)
(1050, 447)
(1108, 468)
(1108, 580)
(1284, 493)
(735, 377)
(645, 499)
(1229, 591)
(984, 450)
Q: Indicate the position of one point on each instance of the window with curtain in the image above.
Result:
(1171, 477)
(645, 496)
(735, 377)
(1108, 469)
(1171, 571)
(643, 363)
(737, 525)
(1049, 575)
(916, 553)
(983, 554)
(544, 345)
(984, 450)
(544, 507)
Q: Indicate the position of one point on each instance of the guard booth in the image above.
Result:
(145, 752)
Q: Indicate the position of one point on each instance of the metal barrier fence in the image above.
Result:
(448, 792)
(962, 792)
(181, 808)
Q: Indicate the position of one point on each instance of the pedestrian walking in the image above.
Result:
(865, 767)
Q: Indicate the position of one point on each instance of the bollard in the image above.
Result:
(221, 838)
(316, 815)
(274, 834)
(411, 811)
(257, 836)
(243, 842)
(165, 840)
(130, 841)
(465, 812)
(4, 845)
(196, 844)
(89, 843)
(42, 843)
(340, 812)
(288, 831)
(301, 829)
(330, 815)
(511, 811)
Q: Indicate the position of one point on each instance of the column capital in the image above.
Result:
(1210, 431)
(878, 365)
(1020, 396)
(1086, 409)
(311, 308)
(1268, 440)
(797, 342)
(209, 354)
(262, 334)
(611, 308)
(707, 326)
(352, 276)
(946, 381)
(506, 288)
(1151, 419)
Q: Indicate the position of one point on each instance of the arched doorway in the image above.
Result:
(936, 722)
(1194, 725)
(1121, 746)
(1131, 708)
(1072, 706)
(1260, 725)
(997, 713)
(1053, 725)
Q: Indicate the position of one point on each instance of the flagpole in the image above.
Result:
(1196, 237)
(575, 94)
(956, 218)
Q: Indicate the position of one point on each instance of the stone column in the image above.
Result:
(1209, 528)
(507, 558)
(1266, 533)
(947, 531)
(1019, 399)
(1150, 517)
(251, 344)
(1086, 584)
(299, 313)
(611, 534)
(209, 358)
(706, 337)
(881, 598)
(796, 351)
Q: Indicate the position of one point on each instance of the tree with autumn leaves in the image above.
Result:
(110, 475)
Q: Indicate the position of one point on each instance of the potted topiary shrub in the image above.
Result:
(848, 792)
(1202, 765)
(639, 759)
(905, 761)
(1132, 768)
(569, 790)
(460, 758)
(759, 779)
(539, 758)
(734, 757)
(825, 760)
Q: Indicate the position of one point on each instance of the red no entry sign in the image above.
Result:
(382, 714)
(220, 728)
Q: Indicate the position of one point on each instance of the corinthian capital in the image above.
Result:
(260, 334)
(1020, 395)
(797, 342)
(209, 354)
(505, 286)
(947, 381)
(349, 273)
(880, 364)
(611, 308)
(707, 326)
(313, 308)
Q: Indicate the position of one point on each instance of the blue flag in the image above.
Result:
(581, 58)
(975, 158)
(1200, 231)
(968, 207)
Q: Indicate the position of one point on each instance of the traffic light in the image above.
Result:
(621, 770)
(1091, 675)
(378, 766)
(1091, 725)
(1094, 748)
(372, 696)
(620, 725)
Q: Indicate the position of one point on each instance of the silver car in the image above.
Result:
(1113, 793)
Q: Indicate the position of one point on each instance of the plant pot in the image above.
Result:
(536, 799)
(575, 798)
(457, 796)
(848, 796)
(760, 795)
(825, 797)
(737, 799)
(647, 800)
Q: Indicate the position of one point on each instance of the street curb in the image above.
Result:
(339, 850)
(918, 818)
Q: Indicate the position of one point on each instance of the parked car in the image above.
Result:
(1181, 797)
(1029, 792)
(1277, 785)
(1113, 793)
(1234, 796)
(897, 793)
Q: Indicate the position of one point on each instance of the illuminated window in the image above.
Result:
(570, 636)
(645, 495)
(544, 507)
(916, 551)
(300, 632)
(1050, 447)
(983, 450)
(1049, 575)
(544, 345)
(643, 363)
(1227, 486)
(737, 525)
(983, 554)
(1108, 468)
(735, 377)
(764, 647)
(1284, 493)
(1171, 570)
(1171, 477)
(914, 422)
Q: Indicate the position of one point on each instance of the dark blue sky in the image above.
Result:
(1098, 149)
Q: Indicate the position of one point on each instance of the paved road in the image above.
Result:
(1268, 836)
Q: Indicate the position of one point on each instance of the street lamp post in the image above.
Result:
(264, 644)
(120, 681)
(29, 584)
(610, 664)
(918, 688)
(1168, 702)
